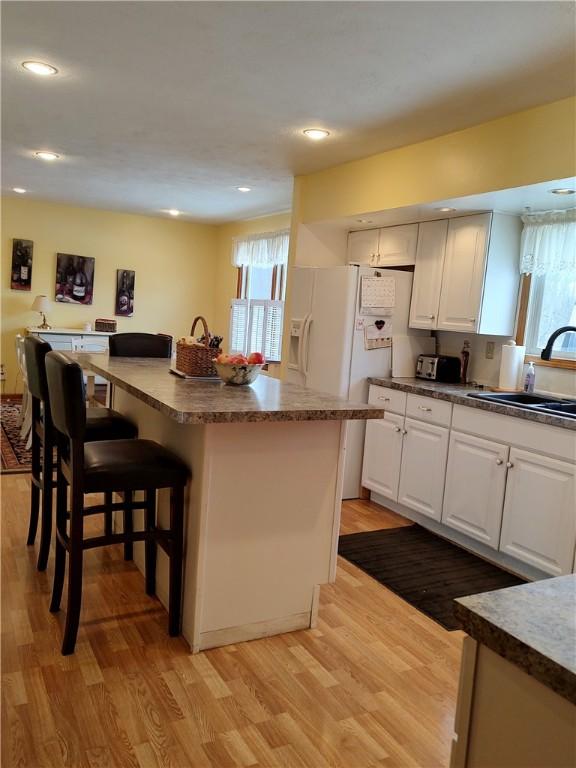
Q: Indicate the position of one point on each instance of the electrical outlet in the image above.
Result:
(489, 350)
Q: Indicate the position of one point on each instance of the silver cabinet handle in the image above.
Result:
(430, 317)
(499, 461)
(509, 464)
(386, 399)
(397, 429)
(404, 431)
(424, 408)
(472, 319)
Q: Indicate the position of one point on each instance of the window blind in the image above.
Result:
(256, 326)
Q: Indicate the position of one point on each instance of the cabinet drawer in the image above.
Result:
(430, 410)
(390, 399)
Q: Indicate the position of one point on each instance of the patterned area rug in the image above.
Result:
(15, 456)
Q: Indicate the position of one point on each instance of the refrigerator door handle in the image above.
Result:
(305, 344)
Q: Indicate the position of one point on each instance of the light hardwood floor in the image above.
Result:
(373, 685)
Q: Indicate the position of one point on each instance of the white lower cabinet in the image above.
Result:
(475, 487)
(382, 455)
(539, 520)
(423, 467)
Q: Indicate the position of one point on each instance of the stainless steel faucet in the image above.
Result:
(547, 351)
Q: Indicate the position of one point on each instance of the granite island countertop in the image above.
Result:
(531, 625)
(212, 402)
(458, 393)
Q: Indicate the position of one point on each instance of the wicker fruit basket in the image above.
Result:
(196, 359)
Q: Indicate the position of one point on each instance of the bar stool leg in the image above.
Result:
(176, 557)
(74, 573)
(47, 486)
(34, 489)
(108, 523)
(150, 547)
(60, 557)
(128, 525)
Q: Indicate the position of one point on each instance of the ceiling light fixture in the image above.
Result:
(445, 210)
(173, 212)
(39, 68)
(316, 134)
(562, 191)
(48, 156)
(244, 189)
(19, 190)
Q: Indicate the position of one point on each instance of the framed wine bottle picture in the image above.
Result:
(125, 279)
(21, 272)
(74, 279)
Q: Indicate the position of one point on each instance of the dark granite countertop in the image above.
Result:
(212, 402)
(532, 625)
(458, 393)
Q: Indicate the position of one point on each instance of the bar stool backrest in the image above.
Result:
(67, 395)
(35, 351)
(140, 345)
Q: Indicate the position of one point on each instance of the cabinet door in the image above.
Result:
(363, 246)
(463, 274)
(423, 467)
(428, 274)
(397, 245)
(382, 455)
(475, 484)
(539, 521)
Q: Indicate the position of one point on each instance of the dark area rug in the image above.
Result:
(423, 569)
(15, 456)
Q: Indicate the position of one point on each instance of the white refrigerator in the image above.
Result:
(328, 331)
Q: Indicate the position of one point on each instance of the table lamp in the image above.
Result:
(41, 304)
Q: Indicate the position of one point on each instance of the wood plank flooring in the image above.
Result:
(373, 685)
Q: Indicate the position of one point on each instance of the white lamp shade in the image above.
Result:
(41, 304)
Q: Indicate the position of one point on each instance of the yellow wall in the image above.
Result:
(523, 148)
(226, 274)
(174, 263)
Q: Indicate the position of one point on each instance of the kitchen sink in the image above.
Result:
(566, 409)
(553, 405)
(516, 398)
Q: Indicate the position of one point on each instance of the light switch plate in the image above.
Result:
(489, 350)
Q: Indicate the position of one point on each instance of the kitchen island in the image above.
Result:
(263, 504)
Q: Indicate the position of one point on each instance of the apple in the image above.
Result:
(222, 358)
(256, 358)
(237, 360)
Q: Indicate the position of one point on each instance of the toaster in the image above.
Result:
(438, 368)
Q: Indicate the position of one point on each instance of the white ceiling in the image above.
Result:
(174, 104)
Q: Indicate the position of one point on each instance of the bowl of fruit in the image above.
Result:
(238, 369)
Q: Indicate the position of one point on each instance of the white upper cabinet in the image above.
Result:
(397, 246)
(428, 274)
(363, 246)
(387, 247)
(468, 282)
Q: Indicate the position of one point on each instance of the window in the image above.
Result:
(257, 313)
(549, 285)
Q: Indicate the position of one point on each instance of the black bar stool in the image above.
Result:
(101, 424)
(140, 345)
(107, 467)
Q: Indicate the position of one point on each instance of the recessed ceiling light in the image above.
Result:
(364, 221)
(316, 134)
(174, 212)
(445, 210)
(49, 156)
(244, 189)
(20, 190)
(564, 191)
(39, 68)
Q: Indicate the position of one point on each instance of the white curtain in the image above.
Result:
(265, 250)
(548, 243)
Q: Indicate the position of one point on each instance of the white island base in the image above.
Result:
(261, 526)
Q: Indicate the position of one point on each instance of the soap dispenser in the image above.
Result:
(530, 378)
